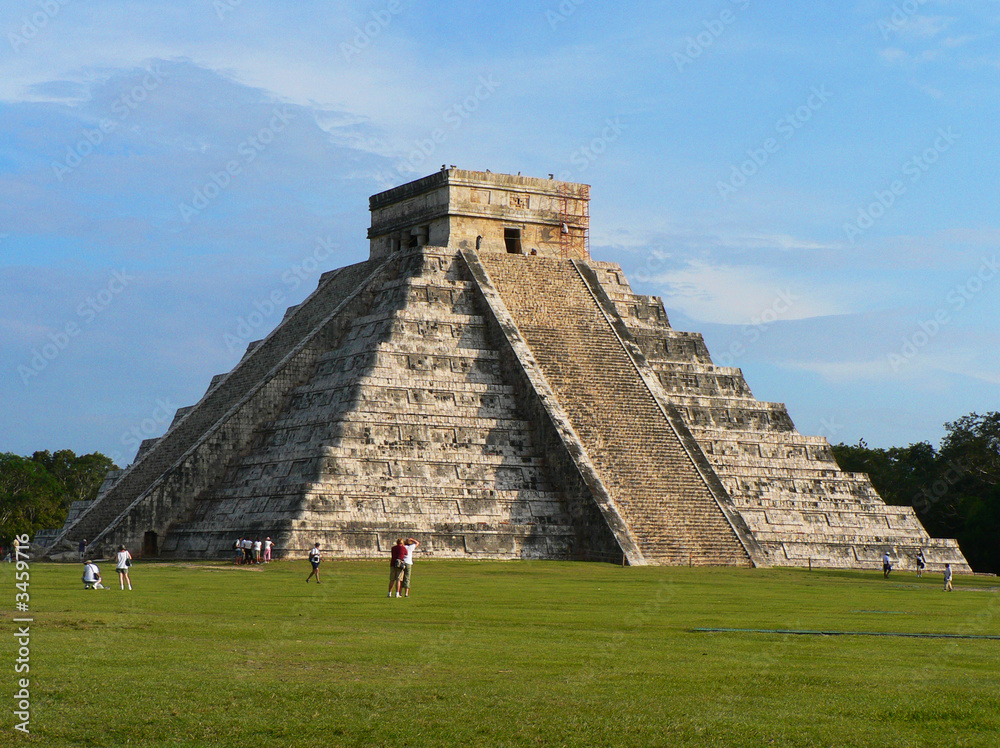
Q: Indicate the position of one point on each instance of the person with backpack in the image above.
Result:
(397, 565)
(314, 560)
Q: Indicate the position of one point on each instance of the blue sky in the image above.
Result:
(812, 186)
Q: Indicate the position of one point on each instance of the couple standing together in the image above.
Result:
(400, 565)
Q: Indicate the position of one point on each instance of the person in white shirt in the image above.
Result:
(947, 578)
(247, 550)
(268, 544)
(256, 551)
(122, 563)
(314, 560)
(92, 577)
(410, 545)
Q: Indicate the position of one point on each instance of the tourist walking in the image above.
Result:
(314, 560)
(886, 564)
(410, 545)
(397, 565)
(921, 563)
(947, 578)
(123, 561)
(268, 544)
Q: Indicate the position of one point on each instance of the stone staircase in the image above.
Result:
(658, 491)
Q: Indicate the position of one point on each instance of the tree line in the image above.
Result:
(954, 488)
(36, 491)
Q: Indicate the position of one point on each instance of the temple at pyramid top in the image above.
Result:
(480, 210)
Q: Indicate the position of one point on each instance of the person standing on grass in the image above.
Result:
(314, 560)
(268, 544)
(247, 551)
(397, 563)
(886, 564)
(83, 548)
(256, 551)
(947, 578)
(238, 547)
(410, 545)
(122, 563)
(921, 563)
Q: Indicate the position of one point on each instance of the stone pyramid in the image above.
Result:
(483, 385)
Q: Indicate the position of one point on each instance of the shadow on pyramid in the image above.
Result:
(483, 385)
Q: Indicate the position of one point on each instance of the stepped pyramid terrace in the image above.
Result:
(484, 385)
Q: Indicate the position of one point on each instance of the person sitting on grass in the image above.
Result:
(92, 577)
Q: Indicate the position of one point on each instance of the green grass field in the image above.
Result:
(491, 654)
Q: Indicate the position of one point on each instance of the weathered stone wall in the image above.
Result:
(471, 210)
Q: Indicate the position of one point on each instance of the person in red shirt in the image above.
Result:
(397, 564)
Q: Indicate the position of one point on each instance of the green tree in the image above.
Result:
(80, 477)
(30, 498)
(955, 489)
(36, 492)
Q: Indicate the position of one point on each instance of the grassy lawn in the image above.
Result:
(490, 654)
